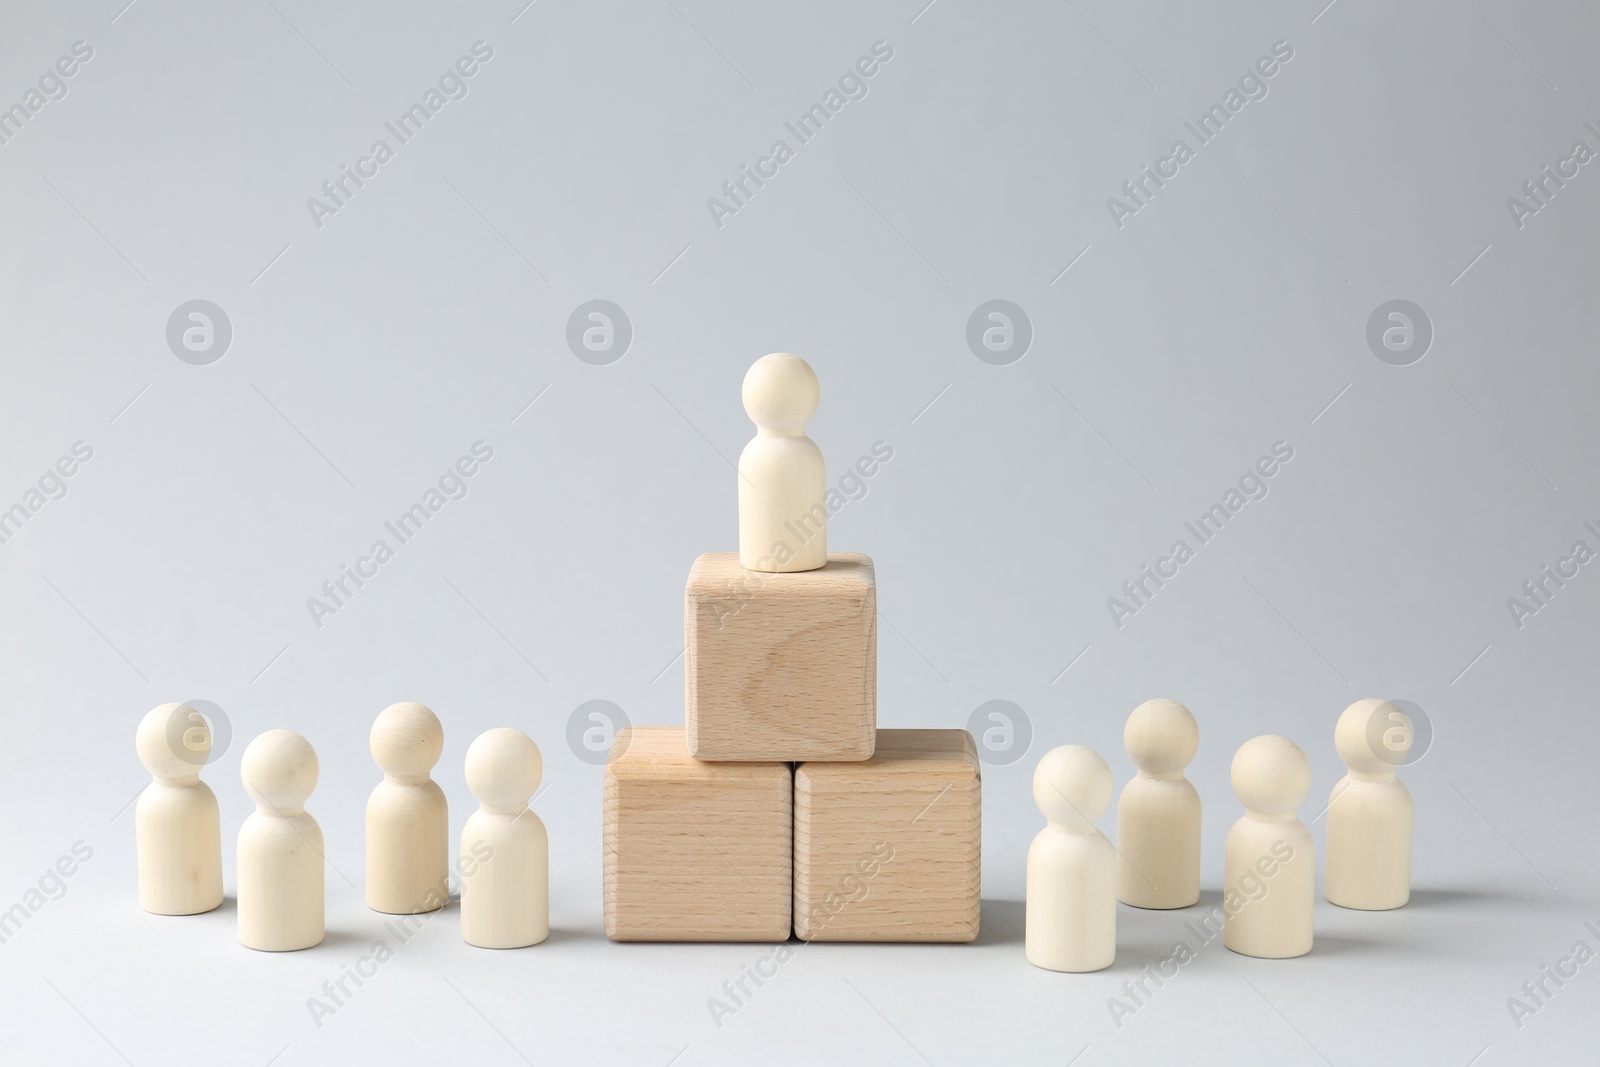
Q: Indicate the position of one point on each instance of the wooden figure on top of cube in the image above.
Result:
(888, 849)
(781, 639)
(783, 515)
(1369, 814)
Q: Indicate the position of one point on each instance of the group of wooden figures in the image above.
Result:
(779, 807)
(881, 849)
(504, 869)
(1076, 876)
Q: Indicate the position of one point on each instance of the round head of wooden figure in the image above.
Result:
(1271, 776)
(279, 769)
(780, 394)
(503, 769)
(1373, 737)
(1072, 786)
(406, 741)
(1161, 738)
(173, 742)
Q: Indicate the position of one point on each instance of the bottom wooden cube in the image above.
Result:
(888, 849)
(695, 851)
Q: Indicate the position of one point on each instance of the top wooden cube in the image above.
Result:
(781, 666)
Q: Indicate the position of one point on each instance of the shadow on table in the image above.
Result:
(1000, 922)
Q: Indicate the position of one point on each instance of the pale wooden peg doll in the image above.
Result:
(1270, 881)
(1158, 814)
(783, 513)
(1370, 814)
(1071, 911)
(280, 857)
(177, 826)
(408, 822)
(505, 851)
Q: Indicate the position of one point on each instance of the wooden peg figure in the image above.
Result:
(1158, 814)
(280, 856)
(783, 513)
(1369, 814)
(1071, 912)
(408, 821)
(505, 852)
(1270, 881)
(177, 828)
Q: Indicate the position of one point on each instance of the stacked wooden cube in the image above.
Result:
(780, 806)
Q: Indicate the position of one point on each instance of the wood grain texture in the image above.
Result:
(694, 851)
(888, 849)
(781, 666)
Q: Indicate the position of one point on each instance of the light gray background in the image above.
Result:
(1228, 314)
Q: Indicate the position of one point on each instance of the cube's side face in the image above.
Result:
(697, 858)
(887, 856)
(775, 675)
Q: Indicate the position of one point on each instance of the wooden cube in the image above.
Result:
(781, 666)
(695, 851)
(888, 849)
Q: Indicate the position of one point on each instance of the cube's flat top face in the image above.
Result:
(945, 753)
(640, 752)
(718, 574)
